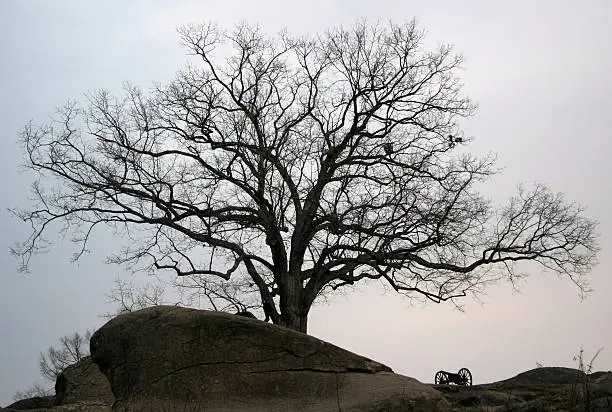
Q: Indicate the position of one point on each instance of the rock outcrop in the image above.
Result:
(83, 383)
(171, 358)
(37, 402)
(80, 387)
(168, 358)
(541, 389)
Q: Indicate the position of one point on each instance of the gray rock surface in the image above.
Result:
(37, 402)
(80, 387)
(541, 389)
(175, 359)
(83, 382)
(171, 358)
(73, 407)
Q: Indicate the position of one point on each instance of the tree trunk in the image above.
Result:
(304, 323)
(292, 313)
(299, 322)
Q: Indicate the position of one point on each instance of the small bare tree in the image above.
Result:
(583, 390)
(130, 298)
(295, 166)
(35, 391)
(217, 294)
(72, 349)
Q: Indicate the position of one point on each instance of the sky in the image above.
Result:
(540, 72)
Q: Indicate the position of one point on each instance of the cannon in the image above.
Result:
(463, 377)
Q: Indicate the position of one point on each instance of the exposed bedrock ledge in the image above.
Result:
(171, 357)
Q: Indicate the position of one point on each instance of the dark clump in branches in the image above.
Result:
(276, 170)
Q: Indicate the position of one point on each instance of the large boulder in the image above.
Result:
(171, 358)
(37, 402)
(83, 382)
(80, 387)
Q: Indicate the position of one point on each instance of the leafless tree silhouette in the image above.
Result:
(35, 391)
(129, 297)
(293, 166)
(72, 349)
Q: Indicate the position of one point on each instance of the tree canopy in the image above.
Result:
(274, 170)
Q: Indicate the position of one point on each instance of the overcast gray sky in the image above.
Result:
(540, 71)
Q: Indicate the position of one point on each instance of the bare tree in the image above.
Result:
(72, 349)
(218, 294)
(295, 166)
(130, 298)
(35, 391)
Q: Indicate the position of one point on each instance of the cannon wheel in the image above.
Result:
(439, 380)
(466, 376)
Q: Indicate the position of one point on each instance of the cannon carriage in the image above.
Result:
(462, 377)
